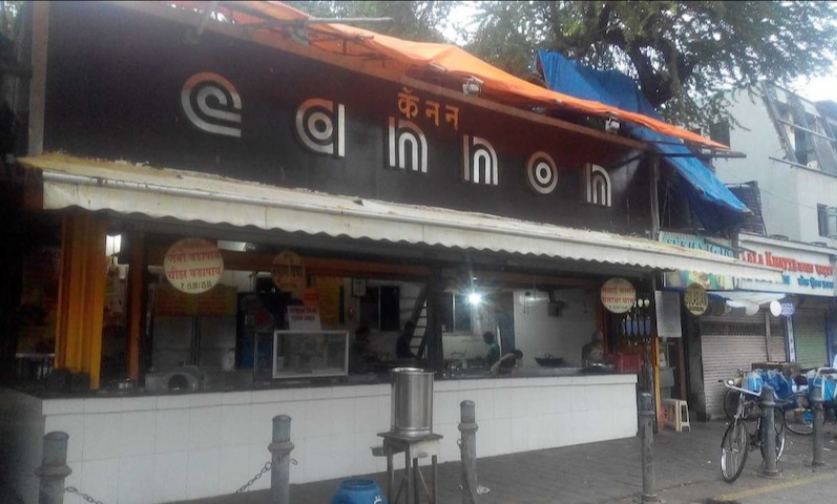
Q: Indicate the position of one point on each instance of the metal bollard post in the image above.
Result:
(818, 427)
(649, 480)
(468, 449)
(53, 468)
(280, 460)
(768, 431)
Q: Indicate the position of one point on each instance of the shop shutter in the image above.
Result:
(730, 343)
(809, 333)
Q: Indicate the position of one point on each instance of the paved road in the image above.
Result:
(609, 472)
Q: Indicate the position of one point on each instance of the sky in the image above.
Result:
(820, 88)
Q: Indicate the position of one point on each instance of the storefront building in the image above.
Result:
(741, 325)
(808, 282)
(272, 218)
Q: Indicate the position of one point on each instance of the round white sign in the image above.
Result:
(775, 308)
(618, 295)
(193, 265)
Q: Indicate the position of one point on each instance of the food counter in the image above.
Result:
(188, 446)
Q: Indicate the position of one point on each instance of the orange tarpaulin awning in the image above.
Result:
(449, 59)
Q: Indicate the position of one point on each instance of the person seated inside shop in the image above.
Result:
(507, 362)
(402, 345)
(593, 352)
(360, 354)
(493, 348)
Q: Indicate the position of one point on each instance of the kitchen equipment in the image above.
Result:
(549, 361)
(412, 402)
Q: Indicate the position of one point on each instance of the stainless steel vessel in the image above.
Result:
(412, 402)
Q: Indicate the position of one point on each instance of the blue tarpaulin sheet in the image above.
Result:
(716, 206)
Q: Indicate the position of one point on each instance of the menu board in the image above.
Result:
(668, 314)
(304, 318)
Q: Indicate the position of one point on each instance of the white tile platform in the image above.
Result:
(169, 448)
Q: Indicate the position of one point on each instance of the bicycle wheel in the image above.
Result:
(800, 421)
(731, 403)
(734, 451)
(778, 433)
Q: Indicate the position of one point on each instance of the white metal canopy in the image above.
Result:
(189, 196)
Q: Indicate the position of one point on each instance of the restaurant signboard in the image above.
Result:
(238, 109)
(682, 279)
(805, 270)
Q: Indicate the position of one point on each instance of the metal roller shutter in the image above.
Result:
(809, 333)
(731, 343)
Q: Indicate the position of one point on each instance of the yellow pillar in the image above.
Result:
(135, 288)
(81, 295)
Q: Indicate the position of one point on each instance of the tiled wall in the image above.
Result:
(21, 434)
(169, 448)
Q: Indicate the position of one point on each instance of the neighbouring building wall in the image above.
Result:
(758, 139)
(814, 188)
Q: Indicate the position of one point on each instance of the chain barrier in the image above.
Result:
(75, 491)
(255, 478)
(266, 468)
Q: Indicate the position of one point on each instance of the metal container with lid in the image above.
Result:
(412, 402)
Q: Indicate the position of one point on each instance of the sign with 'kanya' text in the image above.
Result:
(804, 271)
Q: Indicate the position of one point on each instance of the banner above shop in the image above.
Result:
(806, 270)
(682, 279)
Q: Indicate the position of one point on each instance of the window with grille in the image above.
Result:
(822, 219)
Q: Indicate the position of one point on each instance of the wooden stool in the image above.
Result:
(677, 414)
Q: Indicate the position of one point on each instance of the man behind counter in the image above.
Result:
(402, 345)
(507, 362)
(593, 352)
(493, 348)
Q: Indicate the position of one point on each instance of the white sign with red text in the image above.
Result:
(193, 265)
(804, 270)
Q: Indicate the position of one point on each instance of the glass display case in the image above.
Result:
(310, 353)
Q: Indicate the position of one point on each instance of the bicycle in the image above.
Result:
(800, 418)
(732, 396)
(738, 441)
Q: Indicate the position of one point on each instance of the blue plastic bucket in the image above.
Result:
(358, 491)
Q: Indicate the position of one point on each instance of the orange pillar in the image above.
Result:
(135, 289)
(81, 295)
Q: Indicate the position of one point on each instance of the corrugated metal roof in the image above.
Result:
(189, 196)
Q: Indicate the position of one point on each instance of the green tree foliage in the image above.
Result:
(412, 20)
(683, 54)
(9, 10)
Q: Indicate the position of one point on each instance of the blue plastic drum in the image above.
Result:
(358, 491)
